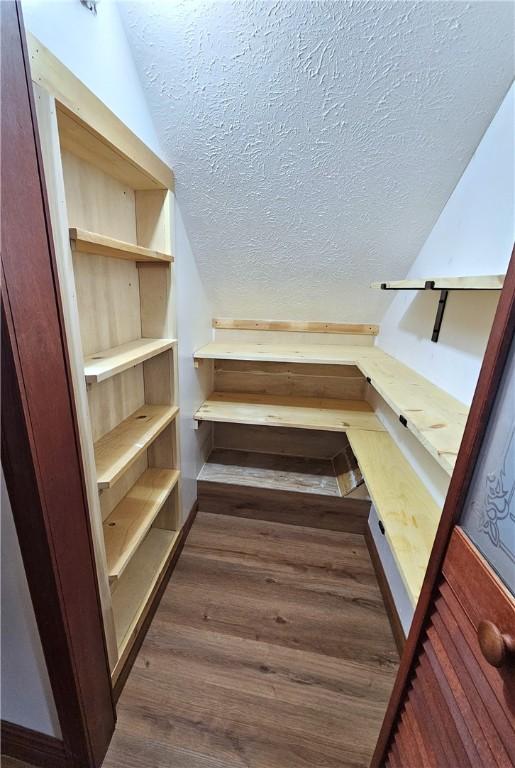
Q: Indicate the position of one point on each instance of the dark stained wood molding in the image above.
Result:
(32, 746)
(122, 678)
(386, 592)
(490, 375)
(40, 445)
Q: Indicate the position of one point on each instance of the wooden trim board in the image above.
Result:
(389, 602)
(33, 747)
(105, 138)
(470, 283)
(119, 448)
(83, 241)
(126, 526)
(299, 326)
(102, 365)
(298, 412)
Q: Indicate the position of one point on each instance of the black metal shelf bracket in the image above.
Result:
(442, 301)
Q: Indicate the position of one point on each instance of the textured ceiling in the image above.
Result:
(315, 143)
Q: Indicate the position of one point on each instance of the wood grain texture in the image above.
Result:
(408, 511)
(464, 283)
(84, 241)
(297, 412)
(367, 329)
(306, 509)
(435, 418)
(93, 129)
(110, 362)
(120, 448)
(257, 654)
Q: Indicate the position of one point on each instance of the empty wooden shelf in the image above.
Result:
(137, 585)
(433, 416)
(404, 505)
(91, 242)
(119, 448)
(302, 412)
(465, 283)
(129, 522)
(103, 365)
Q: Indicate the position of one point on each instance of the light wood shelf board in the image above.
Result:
(84, 241)
(367, 329)
(131, 519)
(465, 283)
(103, 365)
(333, 354)
(297, 412)
(118, 449)
(406, 508)
(433, 416)
(142, 576)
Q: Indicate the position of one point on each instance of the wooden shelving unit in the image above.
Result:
(83, 241)
(116, 451)
(298, 412)
(102, 365)
(407, 510)
(132, 518)
(111, 202)
(435, 418)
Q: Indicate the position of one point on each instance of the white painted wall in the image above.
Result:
(473, 235)
(27, 698)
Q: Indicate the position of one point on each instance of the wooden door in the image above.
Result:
(453, 702)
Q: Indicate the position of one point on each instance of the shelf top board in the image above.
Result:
(433, 416)
(279, 411)
(116, 451)
(404, 505)
(103, 365)
(84, 241)
(464, 283)
(131, 519)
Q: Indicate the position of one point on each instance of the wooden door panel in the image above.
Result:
(459, 710)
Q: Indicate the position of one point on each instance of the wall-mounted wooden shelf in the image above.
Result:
(404, 505)
(140, 580)
(433, 416)
(131, 519)
(83, 241)
(470, 283)
(103, 365)
(119, 448)
(297, 412)
(292, 326)
(444, 285)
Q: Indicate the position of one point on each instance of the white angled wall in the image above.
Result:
(474, 235)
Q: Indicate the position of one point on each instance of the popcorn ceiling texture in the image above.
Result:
(315, 143)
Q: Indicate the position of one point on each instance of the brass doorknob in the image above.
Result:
(495, 646)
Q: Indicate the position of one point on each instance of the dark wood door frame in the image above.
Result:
(490, 375)
(40, 445)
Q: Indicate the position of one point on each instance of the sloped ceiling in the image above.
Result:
(315, 143)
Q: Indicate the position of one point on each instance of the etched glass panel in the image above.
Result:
(489, 516)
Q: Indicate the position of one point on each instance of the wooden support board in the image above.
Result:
(367, 329)
(110, 362)
(135, 588)
(116, 451)
(84, 241)
(128, 523)
(433, 416)
(406, 508)
(467, 283)
(301, 412)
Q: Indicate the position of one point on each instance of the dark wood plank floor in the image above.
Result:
(270, 649)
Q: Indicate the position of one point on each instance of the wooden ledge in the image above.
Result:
(297, 326)
(466, 283)
(83, 241)
(110, 362)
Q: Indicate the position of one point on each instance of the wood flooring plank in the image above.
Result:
(270, 649)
